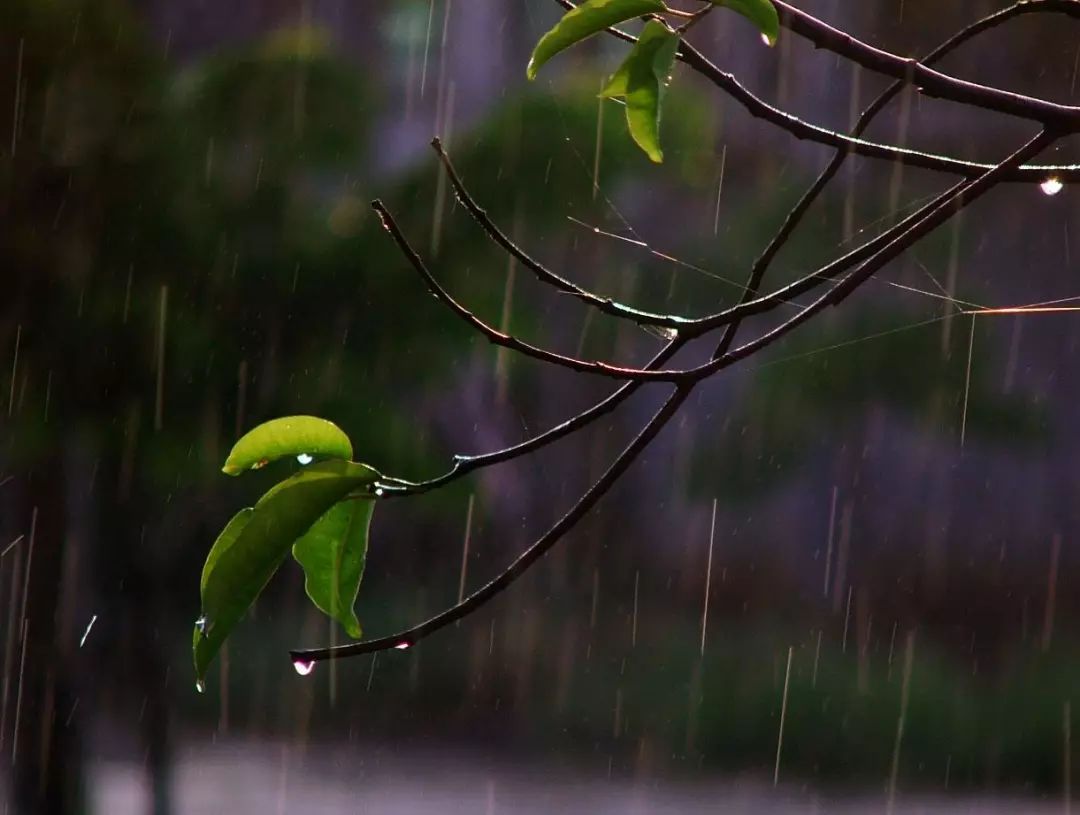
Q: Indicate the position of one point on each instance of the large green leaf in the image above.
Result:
(256, 541)
(761, 13)
(332, 553)
(642, 81)
(591, 17)
(288, 436)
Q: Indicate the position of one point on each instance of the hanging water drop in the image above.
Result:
(1052, 186)
(403, 645)
(202, 624)
(200, 686)
(379, 492)
(303, 666)
(304, 459)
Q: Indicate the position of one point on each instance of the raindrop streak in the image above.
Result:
(599, 142)
(783, 716)
(967, 383)
(847, 622)
(11, 545)
(1066, 727)
(905, 691)
(371, 675)
(304, 459)
(465, 549)
(828, 547)
(86, 633)
(159, 399)
(1051, 594)
(303, 667)
(14, 370)
(18, 99)
(719, 190)
(708, 577)
(1052, 186)
(817, 659)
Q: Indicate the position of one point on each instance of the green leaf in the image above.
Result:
(256, 541)
(591, 17)
(288, 436)
(642, 81)
(332, 554)
(762, 13)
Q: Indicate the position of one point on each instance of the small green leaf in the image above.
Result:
(288, 436)
(256, 541)
(761, 13)
(332, 554)
(642, 81)
(590, 17)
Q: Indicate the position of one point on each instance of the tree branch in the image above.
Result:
(542, 273)
(411, 636)
(941, 212)
(794, 218)
(806, 131)
(463, 465)
(932, 82)
(467, 464)
(926, 220)
(501, 338)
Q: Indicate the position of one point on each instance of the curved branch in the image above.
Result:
(784, 294)
(883, 248)
(411, 636)
(467, 464)
(464, 465)
(798, 212)
(943, 210)
(503, 339)
(932, 82)
(806, 131)
(939, 212)
(542, 273)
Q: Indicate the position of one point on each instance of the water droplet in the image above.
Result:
(202, 624)
(403, 645)
(258, 465)
(379, 492)
(200, 686)
(1052, 186)
(304, 459)
(303, 666)
(769, 41)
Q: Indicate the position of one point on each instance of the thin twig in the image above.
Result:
(928, 219)
(411, 636)
(543, 273)
(800, 129)
(477, 599)
(499, 337)
(798, 212)
(464, 465)
(932, 82)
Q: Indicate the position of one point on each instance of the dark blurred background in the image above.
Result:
(186, 249)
